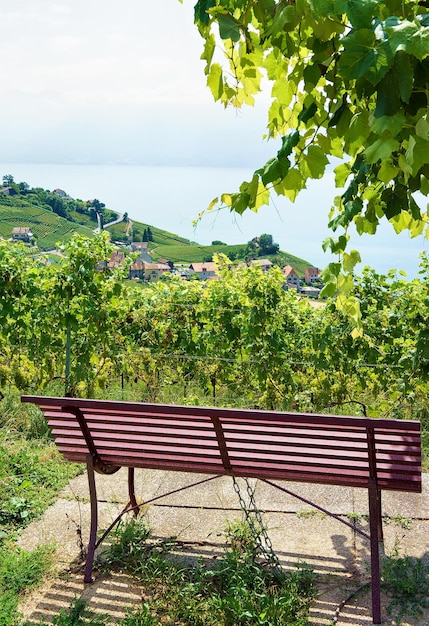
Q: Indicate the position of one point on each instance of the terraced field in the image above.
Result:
(48, 227)
(191, 253)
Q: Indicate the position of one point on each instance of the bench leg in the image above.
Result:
(376, 533)
(94, 519)
(131, 492)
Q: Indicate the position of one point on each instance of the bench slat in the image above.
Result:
(352, 479)
(266, 433)
(243, 415)
(122, 444)
(333, 437)
(262, 459)
(252, 425)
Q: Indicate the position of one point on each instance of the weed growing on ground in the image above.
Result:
(143, 617)
(237, 590)
(400, 520)
(31, 474)
(129, 540)
(309, 513)
(77, 615)
(406, 580)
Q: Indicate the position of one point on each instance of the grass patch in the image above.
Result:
(32, 471)
(19, 571)
(31, 474)
(236, 591)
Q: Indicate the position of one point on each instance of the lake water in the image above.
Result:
(172, 198)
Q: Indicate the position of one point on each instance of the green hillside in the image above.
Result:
(53, 219)
(166, 245)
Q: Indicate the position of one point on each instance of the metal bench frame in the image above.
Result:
(375, 454)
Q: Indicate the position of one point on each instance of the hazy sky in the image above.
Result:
(103, 81)
(98, 81)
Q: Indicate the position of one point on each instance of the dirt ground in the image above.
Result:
(197, 517)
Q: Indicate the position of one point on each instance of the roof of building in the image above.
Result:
(262, 262)
(156, 266)
(21, 230)
(312, 270)
(200, 268)
(116, 259)
(288, 270)
(137, 266)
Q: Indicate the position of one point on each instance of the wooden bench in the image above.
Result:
(373, 454)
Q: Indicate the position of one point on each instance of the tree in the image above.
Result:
(97, 205)
(57, 205)
(8, 180)
(24, 188)
(350, 81)
(267, 245)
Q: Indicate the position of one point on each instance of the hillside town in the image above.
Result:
(144, 269)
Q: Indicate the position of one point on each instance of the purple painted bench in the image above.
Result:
(374, 454)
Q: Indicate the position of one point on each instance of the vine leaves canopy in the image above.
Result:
(350, 82)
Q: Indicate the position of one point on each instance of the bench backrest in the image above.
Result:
(328, 449)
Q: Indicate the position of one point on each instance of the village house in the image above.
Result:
(61, 193)
(116, 259)
(292, 279)
(310, 291)
(9, 191)
(152, 271)
(142, 248)
(312, 275)
(139, 269)
(136, 270)
(166, 262)
(137, 246)
(264, 264)
(22, 233)
(205, 271)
